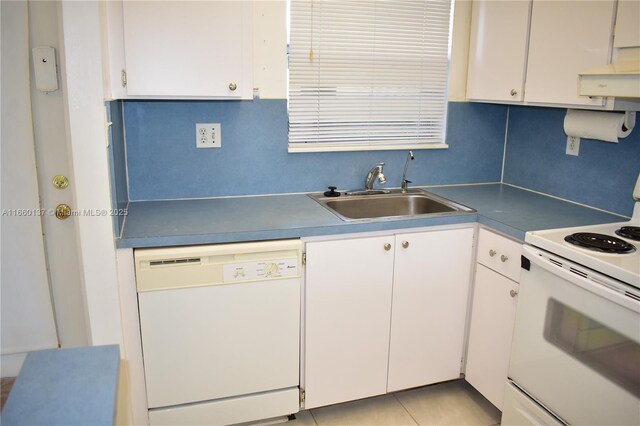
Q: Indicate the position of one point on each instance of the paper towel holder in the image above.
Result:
(629, 121)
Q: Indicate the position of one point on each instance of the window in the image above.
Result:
(368, 74)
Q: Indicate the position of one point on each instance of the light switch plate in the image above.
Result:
(573, 145)
(208, 135)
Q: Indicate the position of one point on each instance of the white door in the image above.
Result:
(431, 282)
(48, 269)
(52, 159)
(27, 312)
(348, 308)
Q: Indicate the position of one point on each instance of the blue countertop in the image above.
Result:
(65, 387)
(508, 209)
(516, 211)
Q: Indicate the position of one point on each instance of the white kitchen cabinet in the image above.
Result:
(354, 346)
(566, 38)
(189, 49)
(499, 253)
(430, 289)
(347, 310)
(532, 51)
(492, 315)
(498, 50)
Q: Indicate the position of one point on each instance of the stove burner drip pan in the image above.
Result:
(630, 232)
(600, 242)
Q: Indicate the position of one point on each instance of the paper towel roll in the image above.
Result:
(604, 126)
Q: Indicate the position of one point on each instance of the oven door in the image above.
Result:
(576, 344)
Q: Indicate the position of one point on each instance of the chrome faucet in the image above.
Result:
(405, 182)
(374, 173)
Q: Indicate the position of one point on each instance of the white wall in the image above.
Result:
(460, 50)
(270, 49)
(85, 116)
(27, 314)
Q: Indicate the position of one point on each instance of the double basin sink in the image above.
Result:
(392, 204)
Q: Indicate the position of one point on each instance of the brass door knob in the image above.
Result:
(387, 247)
(405, 244)
(233, 86)
(60, 182)
(504, 258)
(63, 211)
(513, 293)
(513, 92)
(492, 252)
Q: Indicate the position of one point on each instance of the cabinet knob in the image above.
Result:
(513, 293)
(233, 86)
(492, 252)
(513, 92)
(405, 244)
(504, 258)
(387, 247)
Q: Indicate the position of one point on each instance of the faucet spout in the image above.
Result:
(375, 173)
(405, 182)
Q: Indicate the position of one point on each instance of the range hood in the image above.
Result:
(620, 79)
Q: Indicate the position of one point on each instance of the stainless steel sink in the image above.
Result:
(391, 205)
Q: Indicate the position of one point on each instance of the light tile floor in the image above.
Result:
(450, 403)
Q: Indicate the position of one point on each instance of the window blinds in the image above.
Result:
(368, 74)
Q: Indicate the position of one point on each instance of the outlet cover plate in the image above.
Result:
(573, 145)
(208, 135)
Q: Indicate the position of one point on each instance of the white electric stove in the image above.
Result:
(575, 356)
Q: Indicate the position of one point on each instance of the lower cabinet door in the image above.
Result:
(492, 320)
(430, 290)
(348, 305)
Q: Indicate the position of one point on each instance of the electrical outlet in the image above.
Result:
(208, 135)
(573, 145)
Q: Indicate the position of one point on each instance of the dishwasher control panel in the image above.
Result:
(260, 270)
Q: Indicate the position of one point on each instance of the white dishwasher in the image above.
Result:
(220, 331)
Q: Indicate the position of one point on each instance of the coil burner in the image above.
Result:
(600, 242)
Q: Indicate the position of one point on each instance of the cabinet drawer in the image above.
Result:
(500, 254)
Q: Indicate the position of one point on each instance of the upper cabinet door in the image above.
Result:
(567, 37)
(188, 48)
(627, 24)
(498, 50)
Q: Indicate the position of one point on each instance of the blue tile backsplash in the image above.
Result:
(602, 176)
(163, 162)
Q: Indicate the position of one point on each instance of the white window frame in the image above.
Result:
(319, 108)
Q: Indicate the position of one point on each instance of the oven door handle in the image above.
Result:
(586, 279)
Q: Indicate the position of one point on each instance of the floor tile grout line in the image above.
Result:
(314, 418)
(405, 408)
